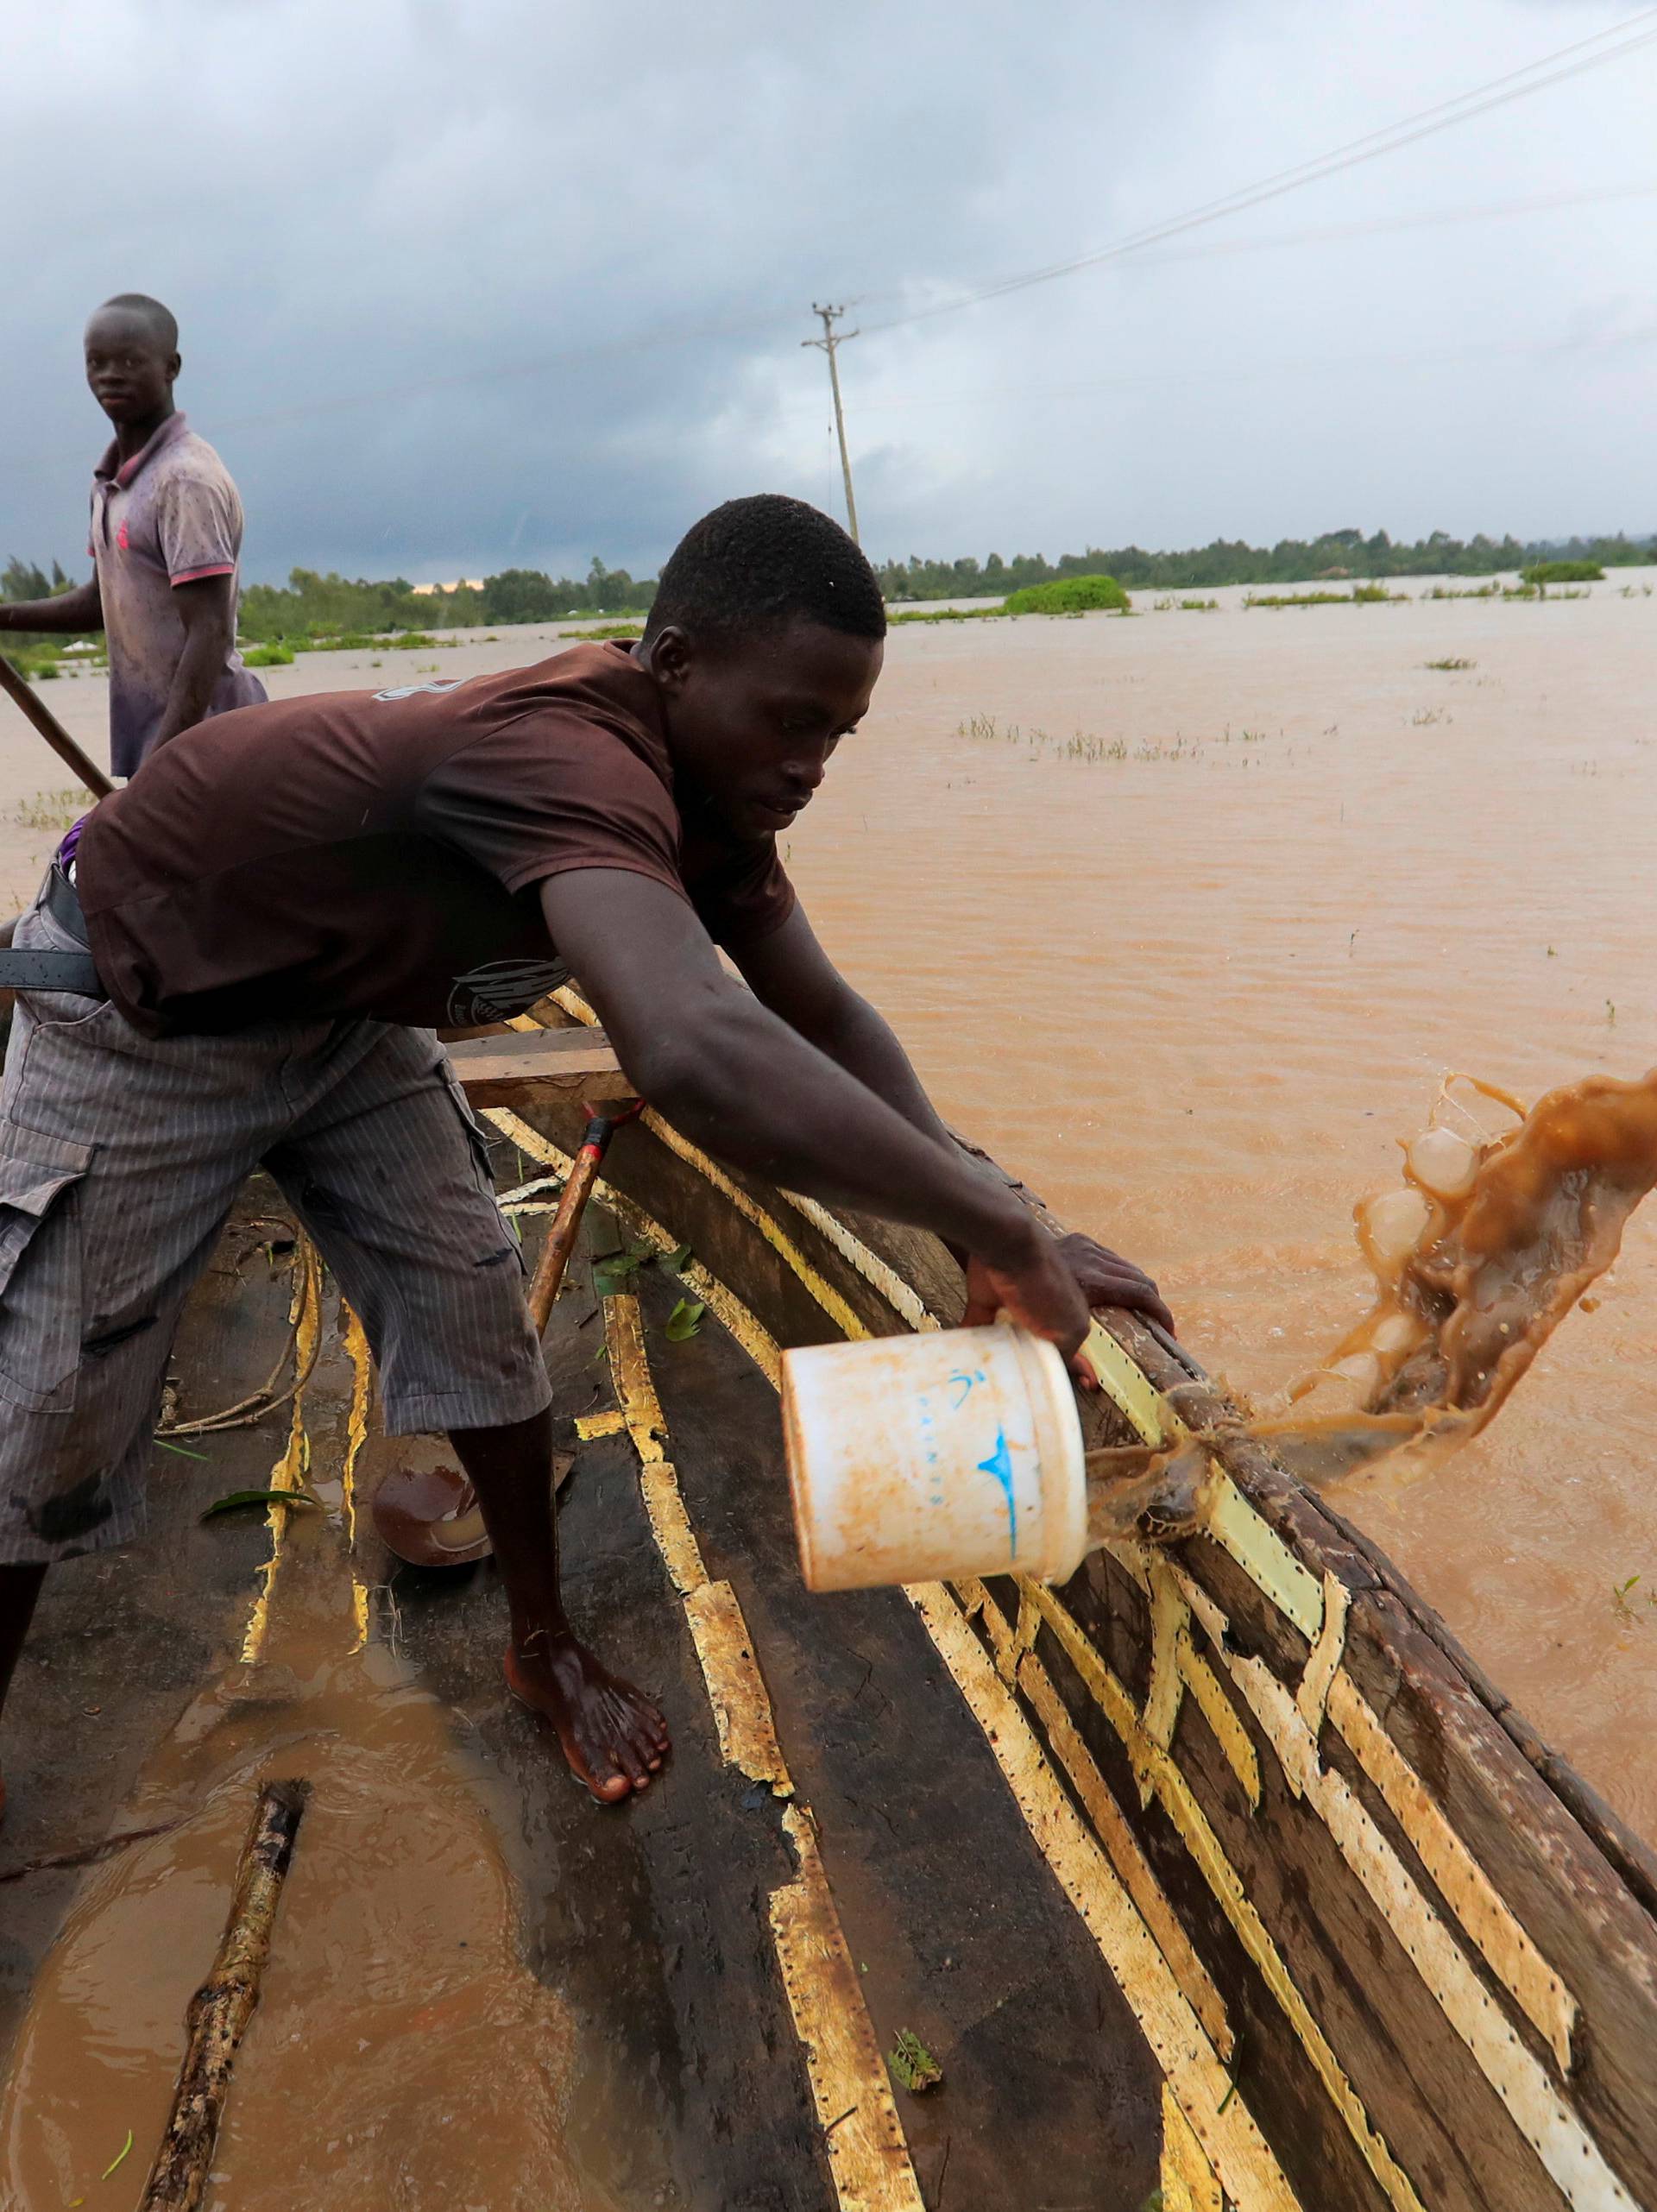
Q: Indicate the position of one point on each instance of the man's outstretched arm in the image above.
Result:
(793, 976)
(68, 613)
(789, 972)
(737, 1080)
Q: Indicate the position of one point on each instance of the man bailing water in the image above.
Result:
(258, 937)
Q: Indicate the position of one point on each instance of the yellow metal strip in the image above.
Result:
(1222, 1717)
(905, 1301)
(1165, 1688)
(736, 1690)
(868, 2155)
(641, 1411)
(590, 1427)
(1180, 1803)
(1154, 1420)
(1190, 2182)
(304, 1317)
(1239, 2153)
(1262, 1554)
(356, 1433)
(1131, 1865)
(1504, 1943)
(1326, 1655)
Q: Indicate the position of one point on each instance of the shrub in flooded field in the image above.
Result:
(1070, 595)
(1361, 594)
(1563, 572)
(276, 656)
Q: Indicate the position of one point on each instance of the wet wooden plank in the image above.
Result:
(520, 1068)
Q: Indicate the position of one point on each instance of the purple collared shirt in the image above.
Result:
(164, 518)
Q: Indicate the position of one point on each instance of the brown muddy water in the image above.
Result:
(1185, 916)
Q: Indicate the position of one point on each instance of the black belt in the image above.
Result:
(24, 969)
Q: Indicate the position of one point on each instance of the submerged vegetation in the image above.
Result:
(1562, 572)
(1361, 594)
(1070, 595)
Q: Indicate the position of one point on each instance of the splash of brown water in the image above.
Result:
(1491, 1241)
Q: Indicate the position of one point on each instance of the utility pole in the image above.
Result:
(827, 344)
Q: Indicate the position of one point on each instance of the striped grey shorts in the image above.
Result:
(120, 1159)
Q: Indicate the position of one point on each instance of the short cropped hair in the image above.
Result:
(757, 563)
(163, 324)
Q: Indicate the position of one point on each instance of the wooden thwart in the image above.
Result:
(525, 1068)
(220, 2008)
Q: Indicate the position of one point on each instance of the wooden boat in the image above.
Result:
(1221, 1872)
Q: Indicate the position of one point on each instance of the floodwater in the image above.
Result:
(1185, 916)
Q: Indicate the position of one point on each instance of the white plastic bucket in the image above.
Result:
(925, 1457)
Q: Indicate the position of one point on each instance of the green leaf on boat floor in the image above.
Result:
(615, 1270)
(913, 2067)
(676, 1262)
(684, 1319)
(233, 1498)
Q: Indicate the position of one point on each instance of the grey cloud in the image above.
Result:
(467, 285)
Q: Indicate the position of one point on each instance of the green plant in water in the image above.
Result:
(277, 655)
(1070, 595)
(1451, 663)
(1541, 572)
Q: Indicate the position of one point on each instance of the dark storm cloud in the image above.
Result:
(467, 285)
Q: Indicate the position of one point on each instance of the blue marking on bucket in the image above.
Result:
(967, 1381)
(999, 1464)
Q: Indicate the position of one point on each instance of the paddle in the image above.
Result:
(25, 698)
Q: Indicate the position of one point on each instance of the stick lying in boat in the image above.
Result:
(220, 2008)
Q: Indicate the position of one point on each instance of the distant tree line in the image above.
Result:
(1292, 560)
(311, 605)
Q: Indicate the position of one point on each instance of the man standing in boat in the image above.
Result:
(165, 541)
(258, 936)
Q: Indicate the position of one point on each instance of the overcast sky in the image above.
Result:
(467, 284)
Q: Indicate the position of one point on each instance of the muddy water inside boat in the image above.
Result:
(400, 2025)
(1196, 993)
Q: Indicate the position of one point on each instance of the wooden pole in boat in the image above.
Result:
(548, 1278)
(220, 2008)
(23, 697)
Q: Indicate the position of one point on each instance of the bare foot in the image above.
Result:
(613, 1736)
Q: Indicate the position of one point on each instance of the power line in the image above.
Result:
(1431, 220)
(1266, 371)
(1463, 108)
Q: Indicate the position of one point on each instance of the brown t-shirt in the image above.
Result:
(377, 853)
